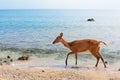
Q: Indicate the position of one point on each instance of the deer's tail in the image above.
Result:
(104, 43)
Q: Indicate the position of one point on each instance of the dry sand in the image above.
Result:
(12, 73)
(23, 72)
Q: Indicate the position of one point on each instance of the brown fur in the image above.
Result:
(81, 46)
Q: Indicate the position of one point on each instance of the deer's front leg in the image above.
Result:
(76, 57)
(67, 57)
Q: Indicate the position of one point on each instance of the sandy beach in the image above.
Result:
(32, 31)
(36, 70)
(12, 73)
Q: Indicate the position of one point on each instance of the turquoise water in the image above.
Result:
(38, 28)
(33, 31)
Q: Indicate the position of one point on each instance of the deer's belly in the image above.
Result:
(80, 48)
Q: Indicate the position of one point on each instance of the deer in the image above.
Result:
(91, 45)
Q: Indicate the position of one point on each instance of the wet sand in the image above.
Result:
(42, 69)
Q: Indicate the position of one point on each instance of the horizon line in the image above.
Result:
(55, 9)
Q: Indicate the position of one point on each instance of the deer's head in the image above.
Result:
(58, 38)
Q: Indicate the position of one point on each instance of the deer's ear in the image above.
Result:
(61, 34)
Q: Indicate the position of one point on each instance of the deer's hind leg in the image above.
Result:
(102, 59)
(98, 53)
(97, 57)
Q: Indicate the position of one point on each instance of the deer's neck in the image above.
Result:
(65, 43)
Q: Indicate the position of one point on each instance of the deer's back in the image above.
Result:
(83, 45)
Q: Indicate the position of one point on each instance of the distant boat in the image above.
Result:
(90, 19)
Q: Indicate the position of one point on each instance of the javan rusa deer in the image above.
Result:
(76, 46)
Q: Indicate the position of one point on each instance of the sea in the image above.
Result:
(37, 28)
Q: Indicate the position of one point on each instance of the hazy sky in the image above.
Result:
(59, 4)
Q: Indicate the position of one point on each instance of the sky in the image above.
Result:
(59, 4)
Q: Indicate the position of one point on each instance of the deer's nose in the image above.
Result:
(53, 42)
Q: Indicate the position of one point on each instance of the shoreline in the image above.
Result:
(47, 66)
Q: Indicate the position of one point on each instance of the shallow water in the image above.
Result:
(35, 30)
(48, 63)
